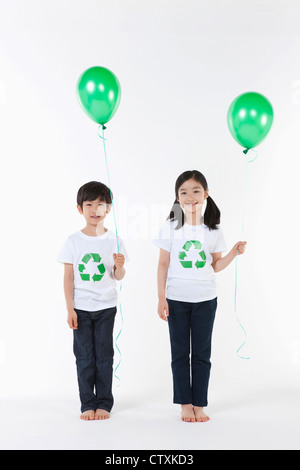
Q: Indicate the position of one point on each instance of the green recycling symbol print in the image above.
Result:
(98, 275)
(197, 245)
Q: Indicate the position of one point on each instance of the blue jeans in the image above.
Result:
(94, 352)
(190, 328)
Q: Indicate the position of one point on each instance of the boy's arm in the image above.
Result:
(119, 270)
(69, 294)
(119, 273)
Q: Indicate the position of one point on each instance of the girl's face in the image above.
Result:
(191, 196)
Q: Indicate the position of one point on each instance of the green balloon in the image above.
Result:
(249, 119)
(99, 93)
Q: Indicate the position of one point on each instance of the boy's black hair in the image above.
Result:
(92, 191)
(212, 213)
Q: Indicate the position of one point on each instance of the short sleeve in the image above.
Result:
(220, 243)
(66, 254)
(163, 239)
(123, 250)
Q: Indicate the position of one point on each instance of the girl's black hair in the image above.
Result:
(212, 214)
(92, 191)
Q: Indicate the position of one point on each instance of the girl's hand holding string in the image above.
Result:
(219, 263)
(239, 248)
(163, 309)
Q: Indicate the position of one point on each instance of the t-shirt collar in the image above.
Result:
(97, 237)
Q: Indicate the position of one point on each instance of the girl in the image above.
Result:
(191, 249)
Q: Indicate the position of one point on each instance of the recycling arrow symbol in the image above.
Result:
(82, 267)
(197, 245)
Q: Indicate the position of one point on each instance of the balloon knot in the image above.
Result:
(103, 127)
(246, 151)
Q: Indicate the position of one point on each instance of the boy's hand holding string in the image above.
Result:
(119, 271)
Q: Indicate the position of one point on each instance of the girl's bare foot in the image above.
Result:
(200, 415)
(88, 415)
(187, 413)
(102, 414)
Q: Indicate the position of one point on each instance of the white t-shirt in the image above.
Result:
(95, 286)
(191, 277)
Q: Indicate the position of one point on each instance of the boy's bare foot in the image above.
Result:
(88, 415)
(200, 416)
(187, 413)
(102, 414)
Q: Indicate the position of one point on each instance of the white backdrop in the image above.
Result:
(180, 64)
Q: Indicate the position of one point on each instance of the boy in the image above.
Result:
(91, 268)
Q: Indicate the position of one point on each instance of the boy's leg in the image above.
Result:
(203, 317)
(104, 353)
(85, 360)
(179, 322)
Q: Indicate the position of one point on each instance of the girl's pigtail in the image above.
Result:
(177, 213)
(212, 214)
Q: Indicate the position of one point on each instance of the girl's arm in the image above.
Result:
(162, 271)
(69, 292)
(220, 263)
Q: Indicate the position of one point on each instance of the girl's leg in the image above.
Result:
(179, 322)
(202, 322)
(85, 360)
(104, 352)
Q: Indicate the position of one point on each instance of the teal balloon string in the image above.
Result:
(236, 258)
(109, 185)
(118, 246)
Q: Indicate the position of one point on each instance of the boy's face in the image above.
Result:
(94, 211)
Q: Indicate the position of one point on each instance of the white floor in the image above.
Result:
(266, 420)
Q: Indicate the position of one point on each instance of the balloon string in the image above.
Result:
(120, 306)
(102, 137)
(236, 258)
(117, 337)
